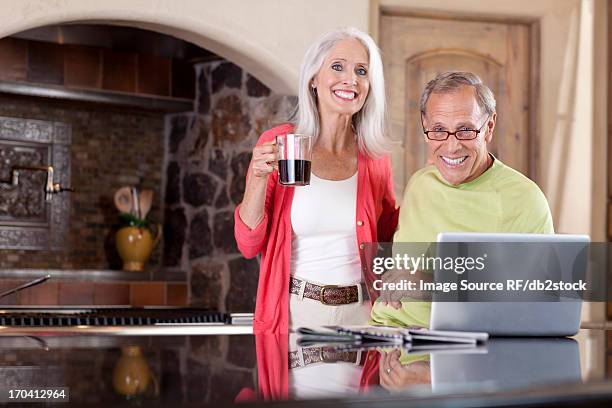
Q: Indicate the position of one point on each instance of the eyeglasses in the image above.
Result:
(463, 134)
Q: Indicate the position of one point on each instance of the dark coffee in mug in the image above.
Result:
(294, 172)
(294, 159)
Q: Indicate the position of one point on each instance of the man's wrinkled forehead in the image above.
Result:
(460, 104)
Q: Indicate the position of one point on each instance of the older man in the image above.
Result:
(466, 189)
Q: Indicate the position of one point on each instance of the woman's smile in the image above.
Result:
(345, 95)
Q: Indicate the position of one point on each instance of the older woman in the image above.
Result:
(310, 237)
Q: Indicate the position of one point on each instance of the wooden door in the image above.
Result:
(417, 48)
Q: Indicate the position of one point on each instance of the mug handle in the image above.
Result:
(276, 146)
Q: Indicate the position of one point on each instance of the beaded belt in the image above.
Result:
(327, 294)
(312, 355)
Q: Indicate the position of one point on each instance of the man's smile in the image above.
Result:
(454, 161)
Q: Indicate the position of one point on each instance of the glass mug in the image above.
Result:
(294, 159)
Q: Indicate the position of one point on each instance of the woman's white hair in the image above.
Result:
(370, 122)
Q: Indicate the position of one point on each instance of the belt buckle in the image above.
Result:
(322, 294)
(322, 358)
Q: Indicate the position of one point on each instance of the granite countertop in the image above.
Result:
(221, 369)
(93, 274)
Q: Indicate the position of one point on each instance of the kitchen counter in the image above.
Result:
(222, 369)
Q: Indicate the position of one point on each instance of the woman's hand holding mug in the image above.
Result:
(265, 159)
(263, 162)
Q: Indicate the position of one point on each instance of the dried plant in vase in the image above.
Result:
(136, 238)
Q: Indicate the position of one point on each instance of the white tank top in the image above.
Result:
(324, 246)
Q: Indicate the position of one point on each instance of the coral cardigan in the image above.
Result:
(376, 220)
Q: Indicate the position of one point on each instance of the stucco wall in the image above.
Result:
(266, 37)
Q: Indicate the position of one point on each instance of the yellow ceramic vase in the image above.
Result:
(135, 245)
(131, 375)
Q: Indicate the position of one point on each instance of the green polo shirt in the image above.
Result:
(500, 200)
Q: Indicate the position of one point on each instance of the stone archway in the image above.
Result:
(209, 26)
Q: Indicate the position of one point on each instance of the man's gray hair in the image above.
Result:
(452, 81)
(370, 122)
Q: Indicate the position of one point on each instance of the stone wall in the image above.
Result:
(209, 151)
(110, 147)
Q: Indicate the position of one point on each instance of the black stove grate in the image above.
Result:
(110, 317)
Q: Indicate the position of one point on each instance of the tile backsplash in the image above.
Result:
(64, 293)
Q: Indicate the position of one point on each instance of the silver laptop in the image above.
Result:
(525, 318)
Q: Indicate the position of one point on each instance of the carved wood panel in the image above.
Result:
(23, 203)
(416, 48)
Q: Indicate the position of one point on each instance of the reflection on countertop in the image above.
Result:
(215, 369)
(110, 369)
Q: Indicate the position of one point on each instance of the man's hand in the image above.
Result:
(395, 377)
(394, 304)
